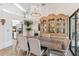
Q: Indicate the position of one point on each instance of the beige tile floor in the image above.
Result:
(6, 52)
(9, 52)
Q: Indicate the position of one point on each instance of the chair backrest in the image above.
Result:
(34, 46)
(22, 42)
(64, 52)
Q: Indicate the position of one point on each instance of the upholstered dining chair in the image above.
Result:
(22, 44)
(35, 47)
(53, 52)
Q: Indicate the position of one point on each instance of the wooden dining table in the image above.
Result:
(50, 44)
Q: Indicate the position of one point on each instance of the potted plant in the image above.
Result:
(28, 24)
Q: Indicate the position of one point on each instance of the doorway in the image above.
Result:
(74, 32)
(16, 27)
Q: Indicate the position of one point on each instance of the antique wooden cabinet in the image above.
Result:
(53, 25)
(53, 31)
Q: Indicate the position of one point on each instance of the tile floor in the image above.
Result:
(9, 52)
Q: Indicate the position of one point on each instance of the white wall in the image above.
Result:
(1, 36)
(6, 34)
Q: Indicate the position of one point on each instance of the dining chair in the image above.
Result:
(67, 48)
(35, 47)
(53, 52)
(23, 44)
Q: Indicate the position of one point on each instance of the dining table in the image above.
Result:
(51, 43)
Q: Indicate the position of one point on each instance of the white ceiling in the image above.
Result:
(10, 7)
(66, 8)
(14, 9)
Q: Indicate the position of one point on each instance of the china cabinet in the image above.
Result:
(53, 25)
(54, 31)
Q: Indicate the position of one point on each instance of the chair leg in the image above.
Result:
(27, 53)
(48, 52)
(65, 54)
(18, 52)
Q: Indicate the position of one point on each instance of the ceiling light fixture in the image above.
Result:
(10, 12)
(5, 10)
(19, 6)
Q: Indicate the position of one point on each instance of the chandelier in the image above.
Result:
(35, 11)
(32, 11)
